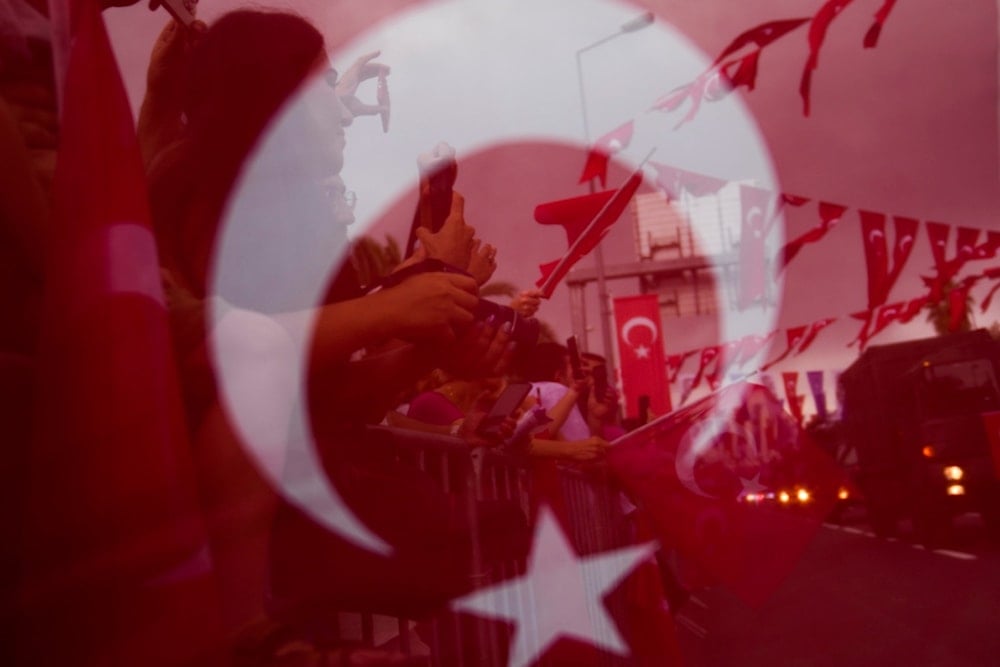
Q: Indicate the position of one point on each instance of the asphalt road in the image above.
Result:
(857, 600)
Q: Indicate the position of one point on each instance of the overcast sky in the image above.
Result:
(908, 128)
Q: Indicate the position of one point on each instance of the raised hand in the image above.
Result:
(453, 243)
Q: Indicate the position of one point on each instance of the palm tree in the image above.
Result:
(939, 312)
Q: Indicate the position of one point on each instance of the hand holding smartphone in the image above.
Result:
(181, 10)
(507, 403)
(438, 172)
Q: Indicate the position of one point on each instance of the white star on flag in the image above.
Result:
(642, 352)
(559, 595)
(751, 486)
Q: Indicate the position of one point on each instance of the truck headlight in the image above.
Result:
(953, 473)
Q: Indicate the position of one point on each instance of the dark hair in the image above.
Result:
(540, 363)
(244, 68)
(241, 71)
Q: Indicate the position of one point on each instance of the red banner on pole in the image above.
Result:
(640, 349)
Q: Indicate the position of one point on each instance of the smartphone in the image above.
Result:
(438, 172)
(574, 358)
(181, 10)
(510, 399)
(600, 381)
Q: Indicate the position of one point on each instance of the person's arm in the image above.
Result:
(365, 389)
(424, 307)
(589, 449)
(560, 412)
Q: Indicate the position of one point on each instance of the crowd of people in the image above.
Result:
(241, 142)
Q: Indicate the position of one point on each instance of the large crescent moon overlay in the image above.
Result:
(511, 91)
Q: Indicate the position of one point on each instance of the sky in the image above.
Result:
(907, 128)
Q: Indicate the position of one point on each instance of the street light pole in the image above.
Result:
(633, 25)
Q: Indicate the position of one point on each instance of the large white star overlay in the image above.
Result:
(751, 486)
(559, 595)
(642, 352)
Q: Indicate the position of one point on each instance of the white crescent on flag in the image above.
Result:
(638, 322)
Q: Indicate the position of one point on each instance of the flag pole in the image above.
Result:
(638, 23)
(553, 277)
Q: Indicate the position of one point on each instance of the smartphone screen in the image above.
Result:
(574, 358)
(600, 381)
(508, 401)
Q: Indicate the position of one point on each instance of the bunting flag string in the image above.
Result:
(676, 182)
(871, 37)
(817, 35)
(724, 76)
(607, 145)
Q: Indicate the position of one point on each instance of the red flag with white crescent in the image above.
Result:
(674, 181)
(761, 35)
(709, 478)
(640, 351)
(793, 337)
(754, 274)
(790, 381)
(829, 216)
(876, 256)
(607, 145)
(817, 35)
(871, 37)
(588, 239)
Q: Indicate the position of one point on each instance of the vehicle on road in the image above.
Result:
(916, 414)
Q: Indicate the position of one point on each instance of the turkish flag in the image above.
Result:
(793, 337)
(817, 35)
(988, 248)
(674, 363)
(761, 35)
(790, 379)
(829, 216)
(813, 331)
(815, 379)
(116, 564)
(710, 477)
(706, 358)
(871, 37)
(753, 262)
(674, 181)
(876, 256)
(585, 240)
(937, 234)
(607, 145)
(640, 351)
(905, 237)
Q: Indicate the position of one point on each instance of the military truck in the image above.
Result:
(915, 412)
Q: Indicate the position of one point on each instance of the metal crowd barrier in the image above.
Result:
(594, 511)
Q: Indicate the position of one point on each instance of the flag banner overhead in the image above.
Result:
(640, 349)
(732, 484)
(606, 146)
(754, 268)
(815, 379)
